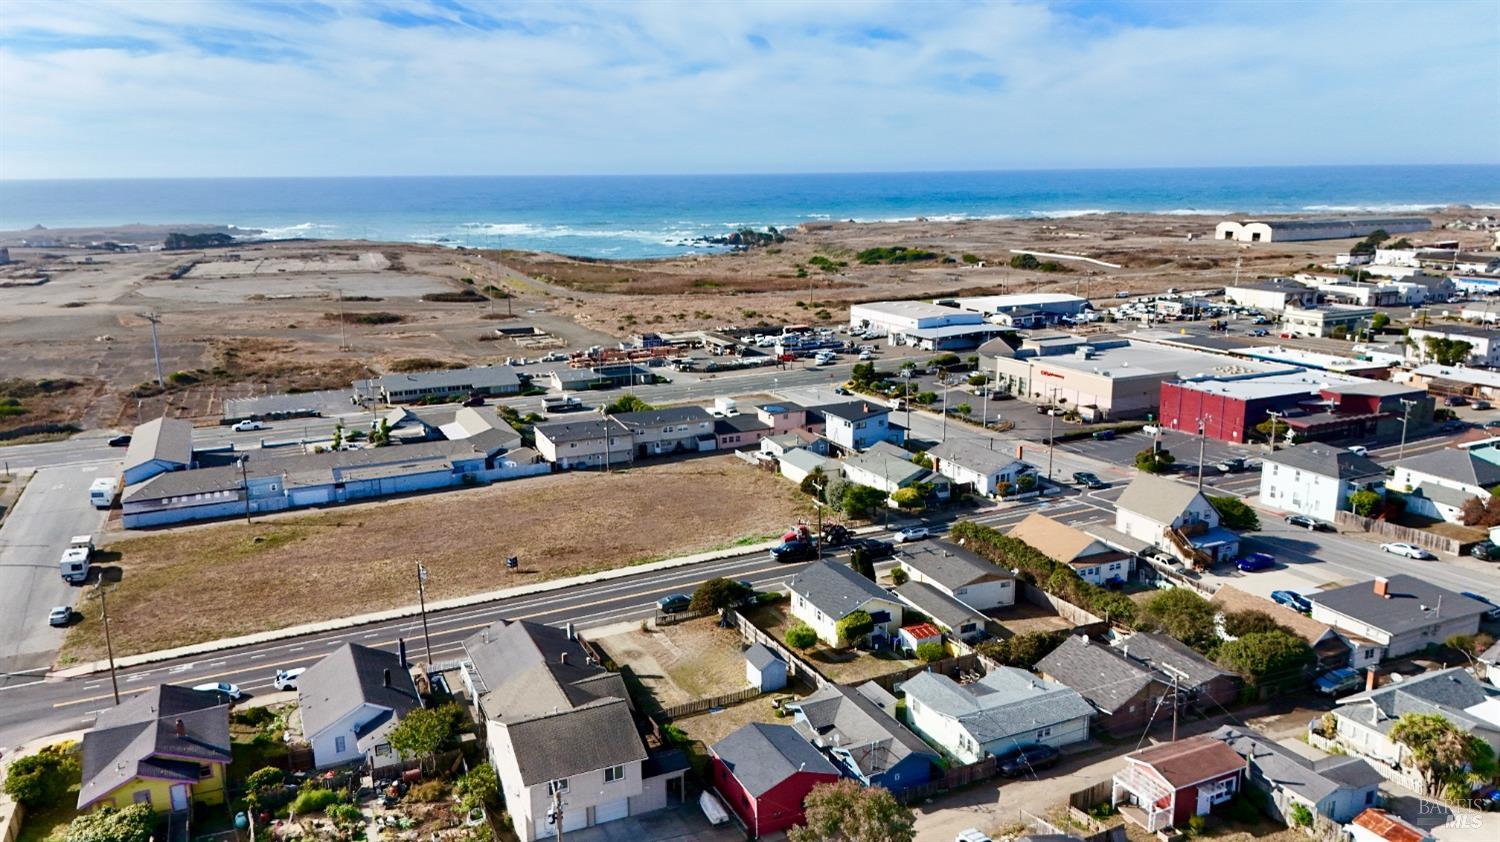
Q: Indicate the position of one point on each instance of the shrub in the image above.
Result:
(801, 636)
(1365, 503)
(479, 787)
(898, 575)
(429, 792)
(929, 652)
(264, 780)
(108, 824)
(1183, 614)
(854, 626)
(1235, 513)
(1300, 815)
(1023, 650)
(1036, 567)
(718, 593)
(41, 779)
(1154, 461)
(1249, 621)
(1271, 658)
(313, 800)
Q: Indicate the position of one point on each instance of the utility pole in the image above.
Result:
(557, 811)
(1175, 706)
(422, 599)
(1202, 438)
(1051, 439)
(153, 318)
(943, 381)
(343, 343)
(1275, 417)
(245, 484)
(1406, 405)
(109, 645)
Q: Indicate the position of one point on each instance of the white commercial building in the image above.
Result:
(1484, 343)
(1294, 230)
(1023, 309)
(1271, 296)
(900, 316)
(1326, 321)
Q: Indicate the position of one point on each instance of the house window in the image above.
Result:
(142, 797)
(614, 773)
(205, 771)
(1044, 733)
(559, 785)
(338, 744)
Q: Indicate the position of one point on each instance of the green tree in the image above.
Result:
(844, 811)
(929, 652)
(1379, 321)
(479, 787)
(861, 500)
(979, 379)
(1023, 650)
(1365, 503)
(898, 576)
(922, 459)
(1268, 658)
(835, 489)
(854, 626)
(1443, 753)
(1026, 482)
(109, 824)
(1235, 513)
(717, 593)
(970, 259)
(1183, 614)
(421, 733)
(338, 435)
(908, 498)
(1273, 427)
(962, 409)
(812, 484)
(264, 780)
(800, 636)
(862, 563)
(863, 376)
(1025, 261)
(1249, 621)
(1444, 351)
(40, 780)
(627, 403)
(1154, 460)
(925, 398)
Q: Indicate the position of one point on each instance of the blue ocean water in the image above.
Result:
(650, 216)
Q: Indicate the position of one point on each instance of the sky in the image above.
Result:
(93, 89)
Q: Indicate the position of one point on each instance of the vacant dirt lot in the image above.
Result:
(202, 583)
(713, 726)
(682, 662)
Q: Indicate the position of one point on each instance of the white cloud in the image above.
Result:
(95, 89)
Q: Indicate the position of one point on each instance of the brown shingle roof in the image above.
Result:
(1190, 761)
(1058, 541)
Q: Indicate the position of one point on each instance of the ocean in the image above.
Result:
(654, 216)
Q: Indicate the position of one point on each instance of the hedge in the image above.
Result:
(1037, 569)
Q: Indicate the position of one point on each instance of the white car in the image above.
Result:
(912, 533)
(1359, 450)
(1151, 430)
(247, 425)
(1408, 550)
(224, 687)
(287, 679)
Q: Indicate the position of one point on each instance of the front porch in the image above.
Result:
(1142, 800)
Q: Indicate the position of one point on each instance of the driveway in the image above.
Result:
(54, 508)
(683, 823)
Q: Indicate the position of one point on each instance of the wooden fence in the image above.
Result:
(700, 705)
(795, 666)
(665, 619)
(1068, 611)
(1093, 796)
(1421, 538)
(954, 778)
(952, 667)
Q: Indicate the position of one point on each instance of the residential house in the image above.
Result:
(739, 431)
(585, 443)
(404, 426)
(350, 700)
(1174, 517)
(409, 388)
(984, 469)
(763, 772)
(798, 464)
(890, 469)
(1484, 345)
(1376, 825)
(1127, 695)
(763, 669)
(780, 443)
(856, 425)
(1394, 616)
(1316, 479)
(864, 741)
(825, 592)
(1331, 648)
(157, 446)
(1093, 560)
(1438, 483)
(1165, 785)
(960, 573)
(951, 614)
(1200, 684)
(470, 422)
(680, 429)
(1006, 709)
(167, 748)
(536, 690)
(1363, 721)
(786, 418)
(1337, 787)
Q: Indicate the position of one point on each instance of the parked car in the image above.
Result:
(1151, 430)
(224, 688)
(1104, 435)
(1455, 400)
(475, 400)
(912, 533)
(1408, 550)
(1480, 404)
(840, 390)
(247, 425)
(674, 603)
(1232, 465)
(120, 441)
(60, 616)
(1488, 425)
(1340, 681)
(1494, 611)
(875, 549)
(1256, 561)
(1454, 425)
(1260, 331)
(1358, 450)
(1485, 551)
(1088, 479)
(1292, 600)
(1024, 761)
(798, 550)
(1311, 524)
(287, 679)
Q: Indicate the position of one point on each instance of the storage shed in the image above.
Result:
(763, 669)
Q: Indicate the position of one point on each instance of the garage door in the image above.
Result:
(572, 820)
(612, 810)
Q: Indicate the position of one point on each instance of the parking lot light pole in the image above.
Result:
(422, 600)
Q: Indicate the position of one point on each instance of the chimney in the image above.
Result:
(562, 658)
(1382, 587)
(181, 729)
(570, 631)
(385, 677)
(401, 652)
(1372, 679)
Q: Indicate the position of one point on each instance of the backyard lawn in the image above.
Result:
(218, 580)
(841, 666)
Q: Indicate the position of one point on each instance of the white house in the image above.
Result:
(1006, 709)
(960, 574)
(856, 425)
(890, 469)
(1439, 483)
(827, 591)
(1316, 479)
(1093, 560)
(1484, 343)
(965, 462)
(1395, 616)
(798, 463)
(1337, 788)
(350, 700)
(1377, 825)
(1176, 518)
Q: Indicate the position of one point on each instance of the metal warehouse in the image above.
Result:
(1293, 230)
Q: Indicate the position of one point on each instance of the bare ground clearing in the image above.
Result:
(681, 662)
(221, 580)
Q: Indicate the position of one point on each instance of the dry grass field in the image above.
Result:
(682, 662)
(220, 580)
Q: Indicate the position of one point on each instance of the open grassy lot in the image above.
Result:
(206, 582)
(842, 666)
(683, 662)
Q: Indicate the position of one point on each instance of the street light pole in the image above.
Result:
(1406, 404)
(245, 485)
(422, 599)
(1051, 439)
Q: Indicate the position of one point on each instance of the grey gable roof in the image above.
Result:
(843, 718)
(572, 742)
(761, 756)
(950, 565)
(759, 656)
(1157, 498)
(1321, 459)
(1412, 603)
(167, 439)
(561, 432)
(948, 610)
(1456, 464)
(1444, 692)
(835, 589)
(969, 454)
(1281, 767)
(139, 737)
(1171, 656)
(350, 677)
(661, 417)
(1104, 677)
(1004, 703)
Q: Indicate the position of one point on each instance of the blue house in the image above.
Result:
(857, 729)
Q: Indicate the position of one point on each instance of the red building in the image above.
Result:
(1166, 785)
(1316, 405)
(762, 772)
